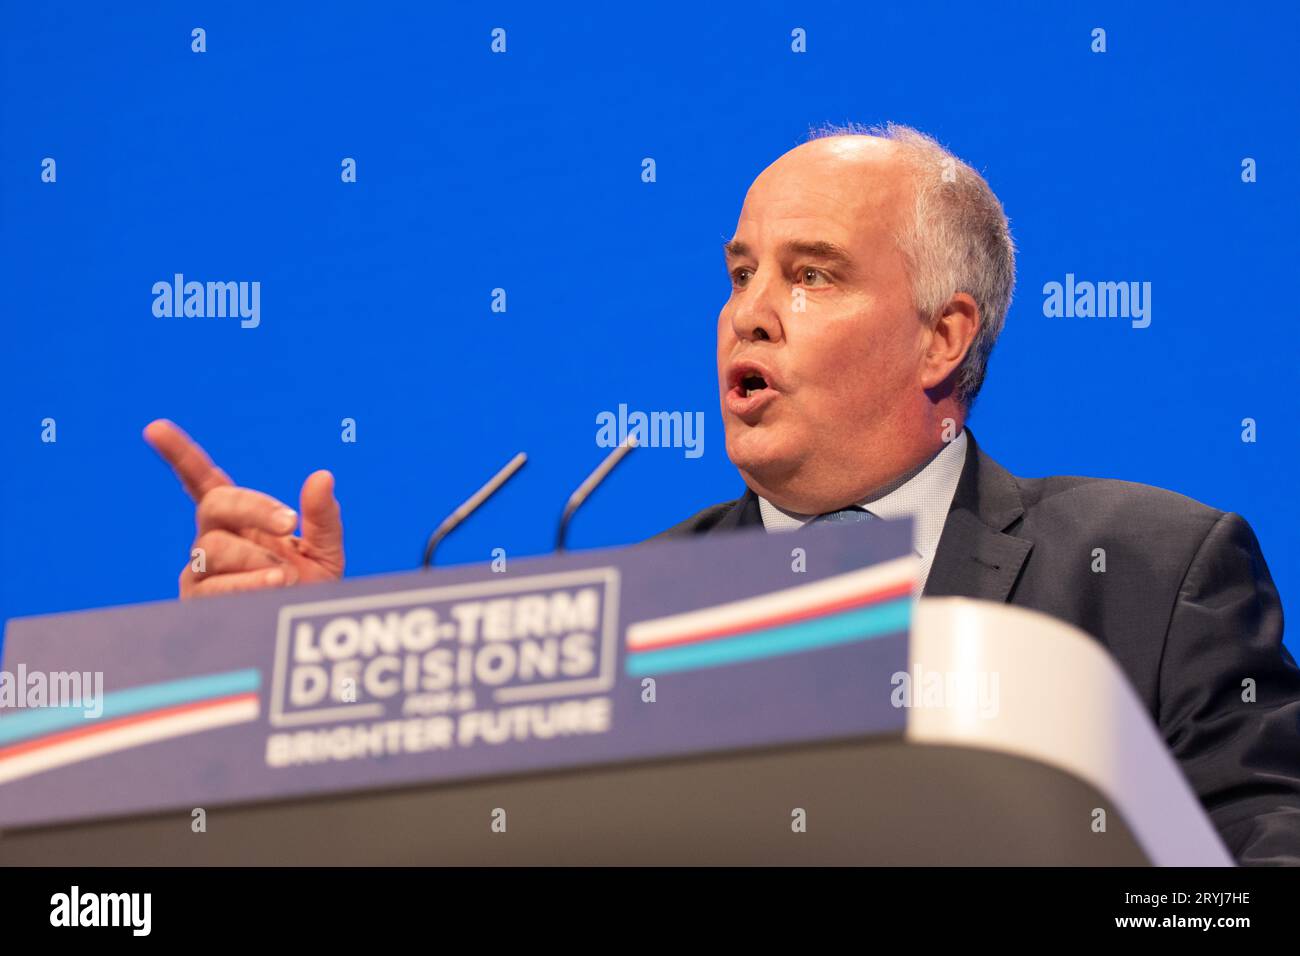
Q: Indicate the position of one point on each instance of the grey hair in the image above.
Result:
(958, 241)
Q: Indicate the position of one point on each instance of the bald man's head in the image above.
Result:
(873, 160)
(839, 363)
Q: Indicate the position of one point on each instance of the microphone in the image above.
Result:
(585, 489)
(450, 523)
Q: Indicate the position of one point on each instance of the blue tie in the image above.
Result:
(854, 515)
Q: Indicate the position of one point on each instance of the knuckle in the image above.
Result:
(212, 504)
(221, 501)
(209, 541)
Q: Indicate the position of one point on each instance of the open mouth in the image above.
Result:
(752, 389)
(751, 383)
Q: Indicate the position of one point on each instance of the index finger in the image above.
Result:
(191, 463)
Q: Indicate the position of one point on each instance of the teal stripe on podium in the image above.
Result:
(846, 628)
(23, 724)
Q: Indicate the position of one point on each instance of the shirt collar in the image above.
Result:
(925, 497)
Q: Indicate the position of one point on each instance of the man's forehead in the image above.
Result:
(845, 189)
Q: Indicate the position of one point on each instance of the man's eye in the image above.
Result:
(811, 276)
(740, 276)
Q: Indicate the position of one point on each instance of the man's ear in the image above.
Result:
(949, 339)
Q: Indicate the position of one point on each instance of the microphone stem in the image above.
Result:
(452, 520)
(585, 489)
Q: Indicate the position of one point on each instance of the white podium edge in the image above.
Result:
(1061, 700)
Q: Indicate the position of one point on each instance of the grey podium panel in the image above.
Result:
(880, 801)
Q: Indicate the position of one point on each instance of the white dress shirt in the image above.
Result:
(925, 497)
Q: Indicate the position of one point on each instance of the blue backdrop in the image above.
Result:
(522, 171)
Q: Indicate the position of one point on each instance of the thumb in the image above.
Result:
(322, 527)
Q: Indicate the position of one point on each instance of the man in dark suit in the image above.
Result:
(1185, 604)
(838, 403)
(871, 273)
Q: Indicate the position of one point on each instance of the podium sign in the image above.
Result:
(596, 658)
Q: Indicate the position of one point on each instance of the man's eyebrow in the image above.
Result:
(735, 249)
(826, 251)
(813, 249)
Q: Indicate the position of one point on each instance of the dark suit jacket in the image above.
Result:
(1186, 606)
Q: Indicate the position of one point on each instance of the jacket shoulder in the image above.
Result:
(699, 523)
(1116, 505)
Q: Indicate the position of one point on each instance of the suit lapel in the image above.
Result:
(976, 557)
(744, 513)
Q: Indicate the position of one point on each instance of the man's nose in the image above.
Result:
(756, 315)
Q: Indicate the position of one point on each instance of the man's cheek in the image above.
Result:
(855, 382)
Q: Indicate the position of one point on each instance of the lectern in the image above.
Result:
(742, 699)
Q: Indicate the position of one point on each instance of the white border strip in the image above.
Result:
(102, 742)
(740, 614)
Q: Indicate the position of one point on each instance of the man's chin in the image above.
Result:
(762, 455)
